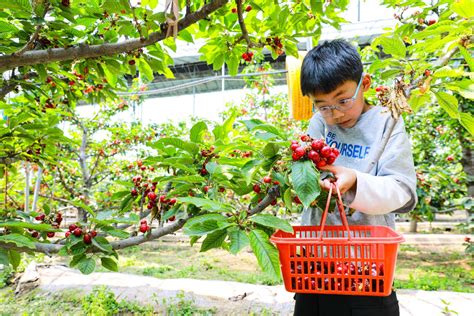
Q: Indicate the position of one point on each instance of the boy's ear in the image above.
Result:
(366, 82)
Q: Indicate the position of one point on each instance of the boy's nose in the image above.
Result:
(337, 114)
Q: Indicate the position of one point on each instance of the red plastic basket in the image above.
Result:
(355, 260)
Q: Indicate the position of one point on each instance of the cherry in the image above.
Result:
(300, 151)
(205, 188)
(294, 146)
(162, 198)
(77, 232)
(297, 200)
(427, 73)
(143, 228)
(143, 221)
(50, 234)
(317, 144)
(330, 159)
(131, 62)
(134, 192)
(305, 138)
(234, 10)
(72, 82)
(431, 22)
(313, 155)
(87, 239)
(321, 163)
(248, 8)
(295, 156)
(267, 179)
(256, 188)
(335, 152)
(276, 182)
(67, 234)
(35, 234)
(172, 218)
(93, 233)
(172, 201)
(325, 151)
(450, 158)
(72, 227)
(152, 196)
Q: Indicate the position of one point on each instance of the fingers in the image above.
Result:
(329, 168)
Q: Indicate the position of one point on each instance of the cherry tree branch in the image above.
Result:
(82, 51)
(272, 194)
(29, 44)
(118, 244)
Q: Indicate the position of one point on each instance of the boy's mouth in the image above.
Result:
(344, 123)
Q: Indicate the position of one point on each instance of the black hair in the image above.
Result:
(329, 65)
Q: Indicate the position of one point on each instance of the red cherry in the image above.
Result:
(131, 62)
(295, 156)
(274, 202)
(205, 188)
(152, 196)
(325, 151)
(256, 188)
(300, 151)
(276, 182)
(427, 72)
(294, 146)
(234, 10)
(67, 234)
(335, 151)
(72, 82)
(267, 179)
(379, 88)
(297, 200)
(93, 233)
(294, 142)
(77, 232)
(317, 144)
(143, 228)
(450, 158)
(50, 234)
(245, 56)
(87, 239)
(330, 159)
(143, 221)
(313, 155)
(172, 201)
(321, 163)
(172, 218)
(248, 8)
(162, 198)
(72, 227)
(134, 192)
(431, 22)
(305, 138)
(35, 234)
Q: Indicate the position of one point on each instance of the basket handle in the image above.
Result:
(342, 213)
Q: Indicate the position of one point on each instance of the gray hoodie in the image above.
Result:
(391, 184)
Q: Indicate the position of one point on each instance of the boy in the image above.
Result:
(332, 76)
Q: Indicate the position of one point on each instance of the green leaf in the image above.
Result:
(126, 203)
(86, 266)
(213, 240)
(206, 204)
(448, 102)
(110, 76)
(205, 224)
(4, 257)
(467, 120)
(197, 132)
(7, 27)
(269, 220)
(393, 46)
(464, 8)
(238, 240)
(102, 244)
(271, 129)
(463, 87)
(116, 232)
(109, 264)
(180, 144)
(467, 56)
(305, 180)
(287, 199)
(14, 258)
(270, 150)
(447, 71)
(266, 253)
(119, 195)
(19, 240)
(85, 207)
(38, 227)
(76, 259)
(417, 100)
(145, 70)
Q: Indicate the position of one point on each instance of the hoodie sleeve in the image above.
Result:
(393, 189)
(317, 126)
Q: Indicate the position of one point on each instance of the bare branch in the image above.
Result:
(90, 51)
(243, 27)
(6, 89)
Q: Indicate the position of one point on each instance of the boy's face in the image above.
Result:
(345, 104)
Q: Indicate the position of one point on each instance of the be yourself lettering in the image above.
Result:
(349, 150)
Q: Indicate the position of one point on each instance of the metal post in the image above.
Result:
(223, 84)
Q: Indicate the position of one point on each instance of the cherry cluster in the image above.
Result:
(247, 56)
(337, 276)
(78, 232)
(208, 154)
(315, 150)
(53, 219)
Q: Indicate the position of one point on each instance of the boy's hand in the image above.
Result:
(346, 178)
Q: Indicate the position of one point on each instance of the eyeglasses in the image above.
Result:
(343, 106)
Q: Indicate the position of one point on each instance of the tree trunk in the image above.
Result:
(467, 159)
(413, 225)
